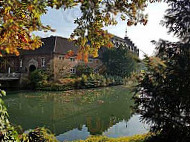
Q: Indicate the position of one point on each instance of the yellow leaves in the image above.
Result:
(69, 54)
(123, 17)
(135, 138)
(30, 8)
(79, 56)
(7, 9)
(83, 41)
(7, 50)
(23, 15)
(85, 57)
(95, 16)
(109, 45)
(155, 61)
(95, 53)
(18, 21)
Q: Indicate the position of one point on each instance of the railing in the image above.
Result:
(9, 76)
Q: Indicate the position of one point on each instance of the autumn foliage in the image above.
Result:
(20, 18)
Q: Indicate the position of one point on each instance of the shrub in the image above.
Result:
(83, 70)
(135, 138)
(37, 78)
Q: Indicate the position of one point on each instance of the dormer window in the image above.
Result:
(43, 62)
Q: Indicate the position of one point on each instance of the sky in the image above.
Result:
(63, 22)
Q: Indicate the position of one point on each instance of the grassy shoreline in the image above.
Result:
(135, 138)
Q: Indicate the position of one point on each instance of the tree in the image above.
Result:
(83, 70)
(59, 68)
(118, 61)
(164, 99)
(19, 18)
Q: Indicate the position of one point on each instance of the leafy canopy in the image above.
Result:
(19, 18)
(118, 61)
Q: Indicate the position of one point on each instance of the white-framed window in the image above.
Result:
(72, 70)
(72, 59)
(43, 61)
(21, 63)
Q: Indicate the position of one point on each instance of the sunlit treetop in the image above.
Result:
(19, 18)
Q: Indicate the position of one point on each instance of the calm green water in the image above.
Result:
(76, 114)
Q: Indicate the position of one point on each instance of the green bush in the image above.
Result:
(83, 70)
(40, 82)
(37, 78)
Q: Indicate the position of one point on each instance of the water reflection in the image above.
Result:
(76, 114)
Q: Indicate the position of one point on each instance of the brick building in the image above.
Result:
(52, 54)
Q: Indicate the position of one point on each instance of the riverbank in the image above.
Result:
(39, 80)
(135, 138)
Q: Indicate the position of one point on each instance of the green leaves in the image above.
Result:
(119, 61)
(2, 93)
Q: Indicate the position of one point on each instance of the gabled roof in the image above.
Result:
(53, 44)
(63, 45)
(60, 45)
(46, 48)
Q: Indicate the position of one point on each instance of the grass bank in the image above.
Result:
(135, 138)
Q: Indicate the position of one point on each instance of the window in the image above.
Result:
(90, 60)
(61, 58)
(20, 63)
(129, 48)
(72, 59)
(72, 70)
(43, 62)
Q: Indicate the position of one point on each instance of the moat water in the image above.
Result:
(76, 114)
